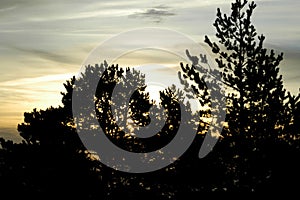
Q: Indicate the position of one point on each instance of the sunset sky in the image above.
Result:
(43, 43)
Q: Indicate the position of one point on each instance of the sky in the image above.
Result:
(43, 43)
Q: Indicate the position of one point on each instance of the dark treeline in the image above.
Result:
(258, 150)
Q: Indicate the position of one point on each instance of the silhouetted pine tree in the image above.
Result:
(259, 109)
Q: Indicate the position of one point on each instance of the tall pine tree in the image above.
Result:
(261, 114)
(251, 71)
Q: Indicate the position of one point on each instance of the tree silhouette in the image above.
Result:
(259, 110)
(250, 71)
(52, 160)
(112, 78)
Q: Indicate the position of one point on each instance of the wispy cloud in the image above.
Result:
(41, 91)
(7, 9)
(36, 80)
(47, 55)
(155, 14)
(84, 15)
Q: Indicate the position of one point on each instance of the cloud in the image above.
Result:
(154, 14)
(7, 9)
(37, 80)
(46, 55)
